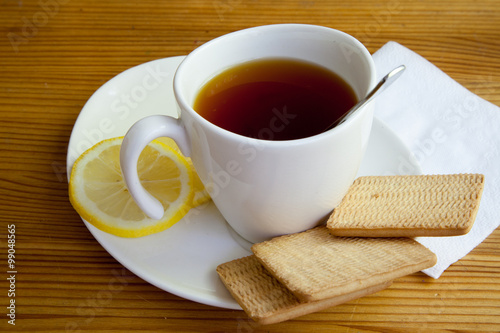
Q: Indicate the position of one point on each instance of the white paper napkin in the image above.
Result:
(449, 130)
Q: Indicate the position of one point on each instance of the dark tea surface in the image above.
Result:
(275, 99)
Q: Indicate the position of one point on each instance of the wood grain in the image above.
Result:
(53, 57)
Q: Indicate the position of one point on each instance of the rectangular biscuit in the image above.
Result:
(315, 264)
(266, 300)
(408, 206)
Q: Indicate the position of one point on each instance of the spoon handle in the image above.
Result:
(381, 86)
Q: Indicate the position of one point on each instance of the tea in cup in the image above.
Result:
(246, 98)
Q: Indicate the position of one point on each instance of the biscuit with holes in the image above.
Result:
(266, 300)
(315, 265)
(408, 206)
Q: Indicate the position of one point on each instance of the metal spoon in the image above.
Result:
(383, 84)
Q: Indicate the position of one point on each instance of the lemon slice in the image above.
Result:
(98, 193)
(201, 195)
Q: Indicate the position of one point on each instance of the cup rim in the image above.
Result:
(231, 135)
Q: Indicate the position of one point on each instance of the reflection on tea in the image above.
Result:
(275, 99)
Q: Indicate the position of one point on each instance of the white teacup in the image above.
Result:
(263, 188)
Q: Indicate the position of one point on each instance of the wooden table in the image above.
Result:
(55, 53)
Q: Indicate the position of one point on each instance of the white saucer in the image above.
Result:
(182, 259)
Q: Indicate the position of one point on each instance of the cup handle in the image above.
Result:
(136, 139)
